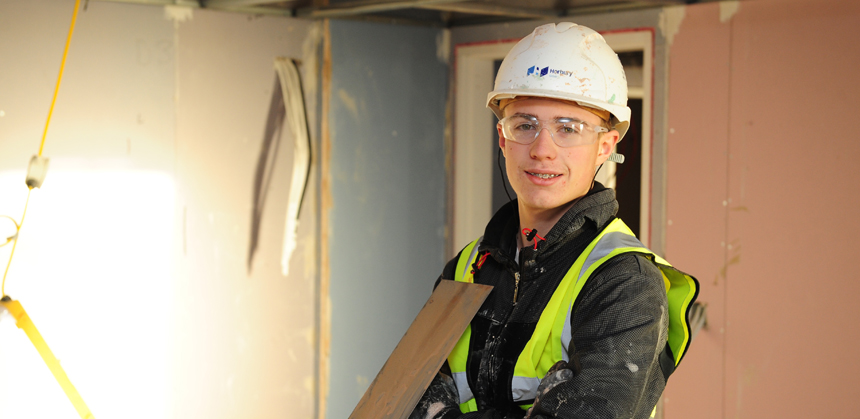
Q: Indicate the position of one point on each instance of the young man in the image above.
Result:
(583, 320)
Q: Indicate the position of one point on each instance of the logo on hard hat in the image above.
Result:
(546, 71)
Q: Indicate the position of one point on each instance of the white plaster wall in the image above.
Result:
(244, 340)
(132, 261)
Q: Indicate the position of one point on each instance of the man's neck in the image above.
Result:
(542, 220)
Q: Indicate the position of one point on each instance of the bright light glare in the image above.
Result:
(94, 271)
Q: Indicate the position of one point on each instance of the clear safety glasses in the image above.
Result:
(565, 132)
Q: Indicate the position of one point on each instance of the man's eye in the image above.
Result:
(525, 127)
(570, 129)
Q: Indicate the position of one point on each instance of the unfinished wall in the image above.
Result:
(244, 335)
(387, 181)
(762, 207)
(133, 261)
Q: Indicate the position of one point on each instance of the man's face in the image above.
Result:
(547, 177)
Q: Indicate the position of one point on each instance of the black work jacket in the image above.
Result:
(618, 325)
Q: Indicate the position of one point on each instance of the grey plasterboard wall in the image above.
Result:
(387, 120)
(648, 18)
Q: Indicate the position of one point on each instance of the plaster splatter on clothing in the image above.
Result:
(440, 399)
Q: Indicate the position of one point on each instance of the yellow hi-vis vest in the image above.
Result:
(550, 341)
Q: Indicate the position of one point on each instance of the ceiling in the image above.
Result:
(438, 13)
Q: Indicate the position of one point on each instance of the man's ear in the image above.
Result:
(605, 146)
(501, 139)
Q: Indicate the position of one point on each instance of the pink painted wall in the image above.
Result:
(762, 207)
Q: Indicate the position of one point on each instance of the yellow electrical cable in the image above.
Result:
(44, 136)
(23, 321)
(60, 77)
(15, 244)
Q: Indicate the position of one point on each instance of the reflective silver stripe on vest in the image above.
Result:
(463, 389)
(607, 243)
(524, 388)
(471, 257)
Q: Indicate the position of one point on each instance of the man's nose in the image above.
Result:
(544, 145)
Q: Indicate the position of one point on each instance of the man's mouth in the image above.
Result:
(543, 175)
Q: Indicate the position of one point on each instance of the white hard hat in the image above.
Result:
(569, 62)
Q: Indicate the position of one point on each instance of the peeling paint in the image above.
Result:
(178, 14)
(443, 46)
(670, 22)
(728, 9)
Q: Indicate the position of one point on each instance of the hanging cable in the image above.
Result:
(35, 176)
(38, 165)
(14, 240)
(60, 76)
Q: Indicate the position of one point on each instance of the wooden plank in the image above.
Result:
(401, 382)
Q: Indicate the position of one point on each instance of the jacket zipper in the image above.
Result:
(516, 286)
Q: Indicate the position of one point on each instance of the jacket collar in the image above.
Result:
(594, 210)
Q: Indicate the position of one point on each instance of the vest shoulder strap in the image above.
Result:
(463, 272)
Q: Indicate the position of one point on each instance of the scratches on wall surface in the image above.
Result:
(728, 10)
(310, 64)
(349, 102)
(746, 380)
(670, 22)
(734, 257)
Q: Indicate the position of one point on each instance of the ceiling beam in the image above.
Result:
(184, 3)
(238, 3)
(363, 7)
(618, 7)
(251, 10)
(492, 10)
